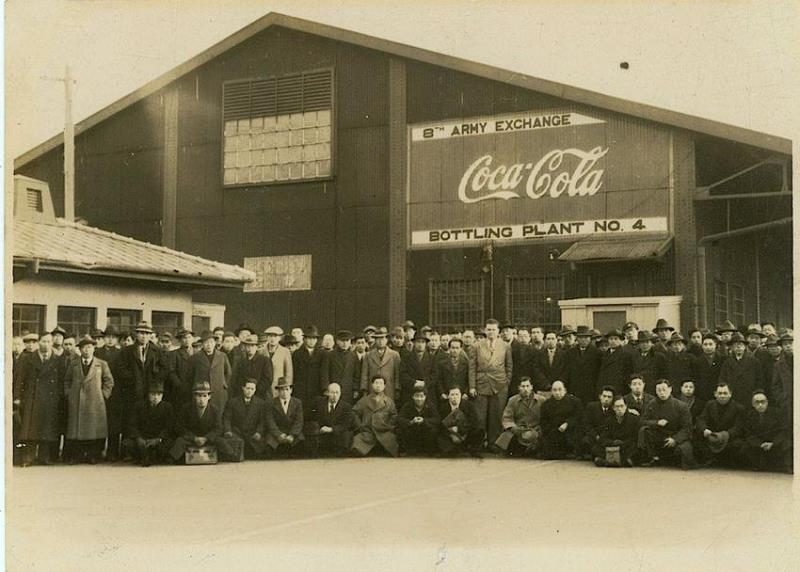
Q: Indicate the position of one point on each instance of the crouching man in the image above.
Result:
(150, 428)
(375, 418)
(667, 429)
(329, 433)
(616, 446)
(521, 429)
(461, 428)
(418, 424)
(285, 424)
(199, 425)
(244, 422)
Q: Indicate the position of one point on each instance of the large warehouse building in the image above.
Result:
(366, 181)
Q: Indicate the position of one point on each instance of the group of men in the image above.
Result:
(621, 398)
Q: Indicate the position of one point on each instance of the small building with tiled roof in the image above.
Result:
(81, 278)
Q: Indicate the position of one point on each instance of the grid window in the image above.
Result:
(278, 129)
(456, 304)
(76, 320)
(533, 300)
(123, 320)
(720, 301)
(167, 322)
(27, 319)
(736, 303)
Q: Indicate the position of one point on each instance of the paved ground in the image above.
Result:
(404, 514)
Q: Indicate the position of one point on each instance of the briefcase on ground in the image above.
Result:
(201, 456)
(613, 457)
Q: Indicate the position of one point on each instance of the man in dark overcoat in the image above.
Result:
(199, 424)
(251, 365)
(766, 444)
(311, 368)
(285, 423)
(616, 365)
(741, 372)
(719, 428)
(40, 387)
(453, 370)
(583, 366)
(461, 429)
(667, 429)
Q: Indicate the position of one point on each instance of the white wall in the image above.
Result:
(52, 292)
(644, 310)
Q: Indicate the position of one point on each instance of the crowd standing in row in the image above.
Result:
(623, 398)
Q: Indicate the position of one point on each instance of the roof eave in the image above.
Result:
(587, 97)
(180, 279)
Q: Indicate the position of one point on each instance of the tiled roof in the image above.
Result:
(72, 246)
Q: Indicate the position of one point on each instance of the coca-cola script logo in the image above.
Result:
(483, 181)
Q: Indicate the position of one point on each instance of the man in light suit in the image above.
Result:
(490, 368)
(384, 362)
(281, 358)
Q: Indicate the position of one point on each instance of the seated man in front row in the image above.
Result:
(244, 421)
(199, 425)
(375, 419)
(667, 429)
(150, 427)
(418, 423)
(637, 400)
(285, 423)
(620, 430)
(461, 430)
(765, 445)
(560, 418)
(329, 432)
(521, 429)
(594, 420)
(719, 428)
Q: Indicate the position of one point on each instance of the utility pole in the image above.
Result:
(69, 150)
(69, 145)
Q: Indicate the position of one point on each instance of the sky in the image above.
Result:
(732, 61)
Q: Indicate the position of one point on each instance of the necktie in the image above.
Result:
(330, 407)
(141, 353)
(550, 356)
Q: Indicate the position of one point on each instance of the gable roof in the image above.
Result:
(578, 95)
(67, 246)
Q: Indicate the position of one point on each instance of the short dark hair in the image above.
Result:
(662, 380)
(759, 392)
(608, 388)
(549, 331)
(359, 337)
(687, 380)
(492, 322)
(456, 340)
(377, 376)
(419, 389)
(454, 386)
(618, 397)
(250, 380)
(724, 384)
(635, 375)
(523, 379)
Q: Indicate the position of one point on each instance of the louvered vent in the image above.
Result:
(265, 97)
(34, 197)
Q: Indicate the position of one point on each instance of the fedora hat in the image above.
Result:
(182, 332)
(251, 340)
(421, 336)
(110, 331)
(772, 340)
(676, 337)
(87, 339)
(753, 331)
(566, 329)
(370, 329)
(282, 382)
(645, 336)
(583, 331)
(736, 337)
(662, 324)
(59, 330)
(311, 332)
(409, 324)
(143, 326)
(630, 326)
(201, 387)
(726, 326)
(614, 333)
(241, 327)
(786, 337)
(381, 332)
(344, 335)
